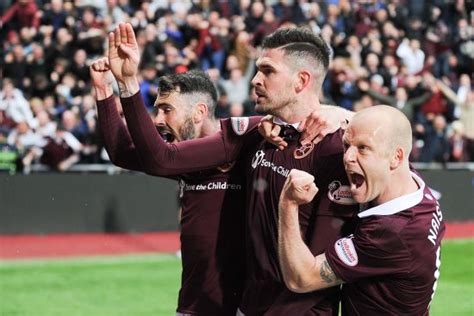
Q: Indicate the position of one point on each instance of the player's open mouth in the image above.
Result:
(356, 179)
(260, 94)
(166, 133)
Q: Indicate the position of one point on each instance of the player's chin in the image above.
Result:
(359, 193)
(261, 107)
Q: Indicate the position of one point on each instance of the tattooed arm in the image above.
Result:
(302, 272)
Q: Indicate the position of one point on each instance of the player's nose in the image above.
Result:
(256, 80)
(350, 155)
(159, 118)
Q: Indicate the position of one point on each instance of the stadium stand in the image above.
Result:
(415, 55)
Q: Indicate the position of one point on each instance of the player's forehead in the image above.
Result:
(359, 131)
(271, 57)
(172, 99)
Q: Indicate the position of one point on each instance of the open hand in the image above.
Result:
(322, 122)
(124, 55)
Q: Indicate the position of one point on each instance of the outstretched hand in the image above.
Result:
(124, 55)
(322, 122)
(271, 131)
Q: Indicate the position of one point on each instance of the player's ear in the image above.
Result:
(397, 158)
(201, 111)
(303, 80)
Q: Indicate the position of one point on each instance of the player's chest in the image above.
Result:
(267, 161)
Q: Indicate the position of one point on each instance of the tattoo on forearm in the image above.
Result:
(326, 273)
(125, 93)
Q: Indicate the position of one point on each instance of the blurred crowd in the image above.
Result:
(414, 55)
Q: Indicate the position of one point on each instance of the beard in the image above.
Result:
(274, 105)
(187, 130)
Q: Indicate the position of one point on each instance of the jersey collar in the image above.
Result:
(399, 204)
(279, 121)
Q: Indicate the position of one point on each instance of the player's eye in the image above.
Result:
(345, 146)
(166, 109)
(266, 70)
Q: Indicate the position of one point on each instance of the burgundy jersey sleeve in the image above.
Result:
(117, 140)
(161, 158)
(375, 249)
(236, 133)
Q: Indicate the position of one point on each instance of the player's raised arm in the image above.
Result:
(117, 139)
(302, 272)
(161, 158)
(157, 156)
(124, 58)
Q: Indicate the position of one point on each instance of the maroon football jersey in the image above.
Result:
(267, 169)
(212, 242)
(212, 218)
(391, 262)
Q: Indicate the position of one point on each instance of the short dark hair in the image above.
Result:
(300, 42)
(191, 82)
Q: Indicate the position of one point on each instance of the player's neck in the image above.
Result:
(298, 111)
(401, 184)
(208, 127)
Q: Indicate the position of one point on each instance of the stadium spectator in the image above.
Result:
(399, 213)
(399, 100)
(464, 109)
(458, 143)
(21, 14)
(14, 104)
(79, 68)
(14, 66)
(37, 69)
(55, 15)
(435, 139)
(90, 31)
(149, 84)
(45, 126)
(411, 55)
(71, 123)
(209, 50)
(26, 143)
(268, 25)
(6, 126)
(61, 151)
(238, 85)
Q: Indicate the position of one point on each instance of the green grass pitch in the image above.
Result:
(149, 284)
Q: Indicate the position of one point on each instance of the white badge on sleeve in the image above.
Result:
(240, 124)
(346, 251)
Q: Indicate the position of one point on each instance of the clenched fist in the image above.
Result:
(299, 188)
